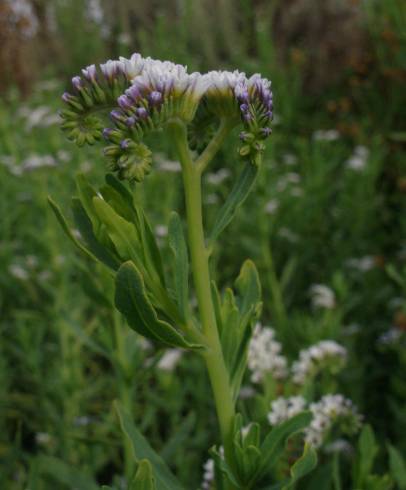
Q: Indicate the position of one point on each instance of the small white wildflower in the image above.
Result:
(18, 272)
(272, 206)
(358, 159)
(326, 354)
(246, 392)
(288, 235)
(264, 355)
(43, 438)
(391, 336)
(285, 408)
(218, 177)
(329, 410)
(288, 158)
(34, 161)
(169, 360)
(161, 231)
(326, 135)
(362, 264)
(322, 296)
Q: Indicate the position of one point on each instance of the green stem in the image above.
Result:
(124, 388)
(214, 145)
(213, 356)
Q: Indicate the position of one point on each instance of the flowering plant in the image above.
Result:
(198, 111)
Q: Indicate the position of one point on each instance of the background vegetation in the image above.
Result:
(329, 209)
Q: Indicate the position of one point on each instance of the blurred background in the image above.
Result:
(328, 210)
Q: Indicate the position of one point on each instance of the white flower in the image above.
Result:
(326, 412)
(272, 206)
(358, 159)
(322, 296)
(285, 408)
(363, 264)
(18, 272)
(326, 135)
(218, 177)
(264, 355)
(326, 354)
(169, 360)
(161, 231)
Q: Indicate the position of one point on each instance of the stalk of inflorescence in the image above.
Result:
(219, 378)
(151, 95)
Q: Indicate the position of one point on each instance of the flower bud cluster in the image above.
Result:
(264, 355)
(330, 411)
(326, 355)
(145, 94)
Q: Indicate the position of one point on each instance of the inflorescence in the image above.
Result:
(330, 412)
(143, 94)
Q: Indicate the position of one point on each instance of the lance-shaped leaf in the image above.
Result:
(304, 465)
(132, 301)
(164, 478)
(144, 478)
(274, 444)
(178, 246)
(64, 224)
(398, 467)
(236, 197)
(65, 474)
(84, 225)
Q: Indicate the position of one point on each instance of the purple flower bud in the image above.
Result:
(125, 144)
(67, 97)
(116, 115)
(77, 82)
(124, 102)
(247, 116)
(244, 108)
(269, 114)
(131, 121)
(241, 93)
(106, 133)
(243, 135)
(155, 98)
(90, 73)
(266, 131)
(141, 112)
(134, 93)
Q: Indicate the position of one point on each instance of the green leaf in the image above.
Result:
(152, 254)
(274, 444)
(64, 224)
(249, 288)
(178, 246)
(65, 474)
(144, 478)
(85, 227)
(398, 467)
(176, 442)
(164, 478)
(237, 196)
(132, 301)
(306, 463)
(367, 451)
(122, 233)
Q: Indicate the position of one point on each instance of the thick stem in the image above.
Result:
(214, 358)
(214, 145)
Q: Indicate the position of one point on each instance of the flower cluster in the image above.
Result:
(329, 412)
(146, 94)
(322, 296)
(264, 355)
(285, 408)
(326, 355)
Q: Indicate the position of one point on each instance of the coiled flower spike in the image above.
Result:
(142, 95)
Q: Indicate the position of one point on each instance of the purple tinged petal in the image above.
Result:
(125, 144)
(67, 97)
(107, 132)
(116, 115)
(134, 93)
(130, 121)
(90, 73)
(141, 112)
(155, 98)
(124, 102)
(77, 82)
